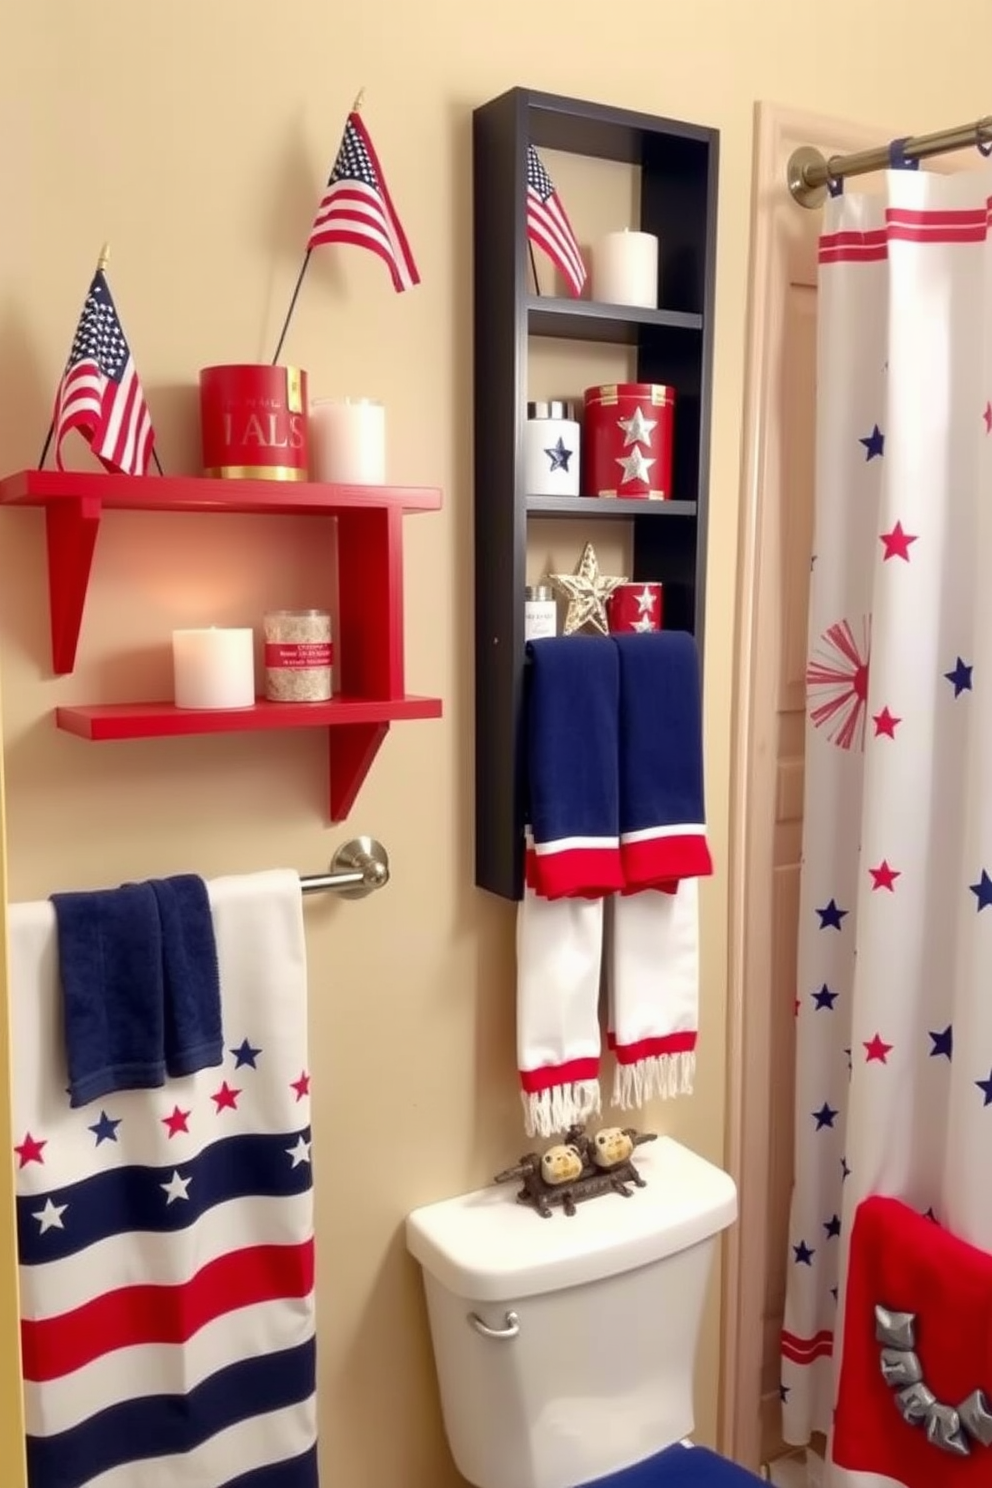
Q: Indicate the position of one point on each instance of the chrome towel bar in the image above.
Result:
(358, 868)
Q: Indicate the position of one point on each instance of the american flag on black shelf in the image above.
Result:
(357, 208)
(548, 225)
(100, 392)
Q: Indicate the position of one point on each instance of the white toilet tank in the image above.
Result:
(593, 1321)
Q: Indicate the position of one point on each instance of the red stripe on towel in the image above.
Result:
(586, 872)
(653, 1048)
(652, 861)
(550, 1075)
(56, 1346)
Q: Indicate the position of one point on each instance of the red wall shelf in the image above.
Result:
(369, 639)
(74, 502)
(356, 728)
(164, 720)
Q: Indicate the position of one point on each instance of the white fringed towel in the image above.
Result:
(165, 1236)
(559, 960)
(652, 963)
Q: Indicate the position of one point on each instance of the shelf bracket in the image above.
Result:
(352, 748)
(71, 528)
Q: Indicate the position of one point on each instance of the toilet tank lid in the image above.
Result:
(487, 1247)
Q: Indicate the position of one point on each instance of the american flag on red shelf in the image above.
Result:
(100, 393)
(548, 225)
(356, 207)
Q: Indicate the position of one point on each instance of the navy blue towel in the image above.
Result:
(193, 1034)
(111, 968)
(571, 766)
(140, 985)
(662, 815)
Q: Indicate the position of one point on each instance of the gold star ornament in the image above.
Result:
(587, 591)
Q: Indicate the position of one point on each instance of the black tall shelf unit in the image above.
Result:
(678, 199)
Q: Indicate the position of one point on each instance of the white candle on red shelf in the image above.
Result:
(625, 269)
(348, 441)
(213, 668)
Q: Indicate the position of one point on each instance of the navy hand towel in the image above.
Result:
(110, 964)
(193, 1035)
(571, 767)
(662, 817)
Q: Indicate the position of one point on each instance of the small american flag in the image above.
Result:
(548, 225)
(100, 393)
(356, 207)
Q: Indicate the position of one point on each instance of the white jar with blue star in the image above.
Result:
(551, 450)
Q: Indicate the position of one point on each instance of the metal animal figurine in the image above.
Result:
(579, 1168)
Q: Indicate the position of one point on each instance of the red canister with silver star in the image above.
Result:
(634, 607)
(627, 441)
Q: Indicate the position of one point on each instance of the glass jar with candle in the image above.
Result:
(551, 449)
(299, 656)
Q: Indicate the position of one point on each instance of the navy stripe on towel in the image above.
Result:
(301, 1472)
(132, 1198)
(166, 1425)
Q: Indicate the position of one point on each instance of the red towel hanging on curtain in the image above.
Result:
(934, 1343)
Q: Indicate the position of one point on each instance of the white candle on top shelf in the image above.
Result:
(213, 668)
(348, 441)
(625, 269)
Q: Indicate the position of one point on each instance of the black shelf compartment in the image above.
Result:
(674, 344)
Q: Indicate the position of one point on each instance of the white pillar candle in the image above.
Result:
(348, 442)
(625, 269)
(213, 668)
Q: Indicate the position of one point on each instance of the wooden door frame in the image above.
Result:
(777, 132)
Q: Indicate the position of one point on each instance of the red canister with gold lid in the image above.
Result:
(253, 422)
(627, 441)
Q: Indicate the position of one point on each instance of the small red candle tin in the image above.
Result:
(253, 422)
(627, 441)
(635, 607)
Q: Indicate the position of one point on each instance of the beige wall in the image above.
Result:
(196, 138)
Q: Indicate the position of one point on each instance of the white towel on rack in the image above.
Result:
(166, 1236)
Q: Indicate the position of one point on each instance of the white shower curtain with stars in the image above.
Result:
(894, 992)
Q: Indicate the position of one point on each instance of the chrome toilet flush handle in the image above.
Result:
(510, 1331)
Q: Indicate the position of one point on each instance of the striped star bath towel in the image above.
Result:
(166, 1236)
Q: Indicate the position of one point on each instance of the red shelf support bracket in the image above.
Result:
(370, 601)
(352, 748)
(71, 528)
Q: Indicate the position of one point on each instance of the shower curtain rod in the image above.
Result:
(809, 172)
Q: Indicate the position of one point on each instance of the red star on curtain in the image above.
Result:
(878, 1049)
(885, 723)
(897, 543)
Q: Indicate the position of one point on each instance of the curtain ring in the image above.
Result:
(984, 145)
(835, 185)
(898, 159)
